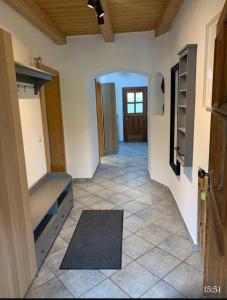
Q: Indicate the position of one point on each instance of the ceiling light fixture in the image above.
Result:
(99, 10)
(91, 4)
(95, 4)
(100, 20)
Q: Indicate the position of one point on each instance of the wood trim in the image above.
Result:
(45, 129)
(168, 17)
(17, 249)
(53, 122)
(99, 118)
(32, 12)
(106, 29)
(222, 18)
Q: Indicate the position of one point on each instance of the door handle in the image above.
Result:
(202, 174)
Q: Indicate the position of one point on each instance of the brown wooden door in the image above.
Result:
(99, 118)
(215, 270)
(135, 114)
(108, 93)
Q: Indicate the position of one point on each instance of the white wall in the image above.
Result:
(32, 132)
(121, 80)
(189, 27)
(28, 42)
(86, 58)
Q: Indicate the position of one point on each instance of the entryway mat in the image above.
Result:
(96, 242)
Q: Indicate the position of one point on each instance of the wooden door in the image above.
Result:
(215, 270)
(108, 93)
(99, 118)
(53, 123)
(135, 114)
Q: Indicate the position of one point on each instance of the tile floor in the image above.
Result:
(157, 260)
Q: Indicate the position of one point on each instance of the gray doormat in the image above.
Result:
(96, 242)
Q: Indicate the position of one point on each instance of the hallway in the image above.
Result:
(157, 259)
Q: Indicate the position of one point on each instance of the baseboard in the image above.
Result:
(75, 180)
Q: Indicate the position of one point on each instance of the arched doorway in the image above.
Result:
(129, 113)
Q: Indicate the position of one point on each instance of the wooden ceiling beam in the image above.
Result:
(106, 29)
(31, 11)
(168, 16)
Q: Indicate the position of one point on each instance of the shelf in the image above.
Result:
(183, 74)
(181, 129)
(180, 158)
(36, 77)
(186, 104)
(44, 194)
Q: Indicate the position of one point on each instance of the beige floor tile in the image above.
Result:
(106, 289)
(79, 282)
(89, 200)
(196, 261)
(158, 262)
(125, 261)
(187, 280)
(135, 246)
(134, 279)
(162, 290)
(67, 233)
(78, 192)
(43, 276)
(54, 261)
(51, 289)
(134, 206)
(134, 223)
(118, 199)
(104, 205)
(154, 234)
(177, 246)
(151, 215)
(58, 244)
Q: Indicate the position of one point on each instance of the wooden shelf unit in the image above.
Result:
(186, 104)
(51, 200)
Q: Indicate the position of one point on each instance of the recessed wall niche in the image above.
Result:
(158, 94)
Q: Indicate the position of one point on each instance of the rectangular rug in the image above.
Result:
(96, 242)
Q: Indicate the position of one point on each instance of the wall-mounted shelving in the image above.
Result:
(36, 77)
(186, 104)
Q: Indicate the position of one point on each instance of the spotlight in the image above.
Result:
(91, 3)
(100, 20)
(99, 10)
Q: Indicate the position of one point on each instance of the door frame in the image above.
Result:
(50, 142)
(124, 92)
(99, 118)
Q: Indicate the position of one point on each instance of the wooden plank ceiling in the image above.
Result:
(73, 17)
(61, 18)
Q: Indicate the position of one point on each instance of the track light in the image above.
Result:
(99, 10)
(91, 3)
(100, 20)
(95, 4)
